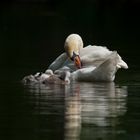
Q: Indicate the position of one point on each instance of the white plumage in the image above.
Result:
(104, 72)
(96, 63)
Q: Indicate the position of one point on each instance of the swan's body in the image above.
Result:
(95, 55)
(104, 72)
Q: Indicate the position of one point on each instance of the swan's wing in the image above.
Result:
(58, 62)
(104, 72)
(94, 55)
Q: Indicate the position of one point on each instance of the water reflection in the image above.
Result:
(101, 105)
(72, 115)
(86, 109)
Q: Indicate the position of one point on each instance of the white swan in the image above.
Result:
(87, 56)
(103, 72)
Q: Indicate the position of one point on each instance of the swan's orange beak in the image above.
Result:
(77, 62)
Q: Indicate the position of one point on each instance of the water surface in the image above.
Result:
(79, 111)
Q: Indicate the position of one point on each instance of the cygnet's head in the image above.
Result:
(67, 77)
(49, 72)
(63, 75)
(38, 74)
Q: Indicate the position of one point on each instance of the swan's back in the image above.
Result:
(97, 50)
(94, 55)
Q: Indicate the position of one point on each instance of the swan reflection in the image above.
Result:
(96, 105)
(103, 104)
(72, 113)
(89, 108)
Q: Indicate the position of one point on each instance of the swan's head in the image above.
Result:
(73, 45)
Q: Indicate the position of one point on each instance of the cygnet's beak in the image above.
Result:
(77, 62)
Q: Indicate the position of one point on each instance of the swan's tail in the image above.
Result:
(121, 63)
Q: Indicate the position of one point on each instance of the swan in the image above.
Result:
(90, 55)
(104, 72)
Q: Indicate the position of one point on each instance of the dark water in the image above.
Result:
(31, 37)
(72, 112)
